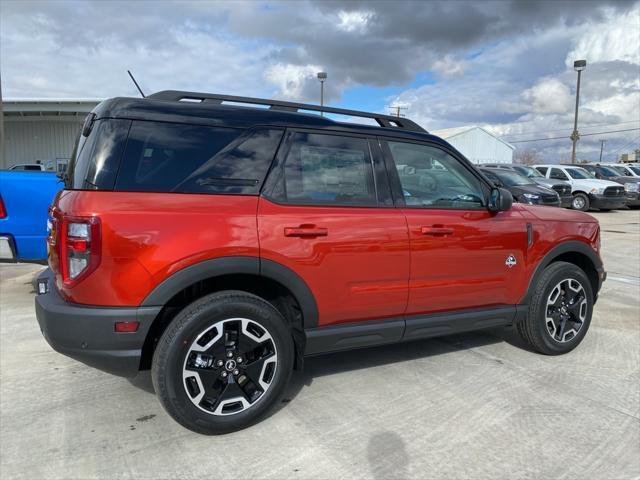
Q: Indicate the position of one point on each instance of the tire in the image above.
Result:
(246, 333)
(580, 202)
(543, 328)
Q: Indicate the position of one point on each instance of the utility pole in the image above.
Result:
(601, 148)
(397, 109)
(578, 66)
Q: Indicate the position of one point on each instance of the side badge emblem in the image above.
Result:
(511, 261)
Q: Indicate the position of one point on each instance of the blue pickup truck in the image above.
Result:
(25, 197)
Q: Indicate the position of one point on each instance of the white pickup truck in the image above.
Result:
(587, 191)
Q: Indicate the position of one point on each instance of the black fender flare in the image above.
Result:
(571, 246)
(234, 265)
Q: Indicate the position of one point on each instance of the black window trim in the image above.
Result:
(375, 158)
(394, 179)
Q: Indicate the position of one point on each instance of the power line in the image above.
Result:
(624, 146)
(582, 135)
(567, 129)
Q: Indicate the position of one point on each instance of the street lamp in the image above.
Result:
(322, 76)
(578, 66)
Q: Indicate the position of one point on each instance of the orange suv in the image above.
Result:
(217, 244)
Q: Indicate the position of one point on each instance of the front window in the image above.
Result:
(528, 172)
(511, 179)
(430, 177)
(608, 172)
(579, 173)
(636, 170)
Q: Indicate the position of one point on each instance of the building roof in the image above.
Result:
(47, 107)
(448, 133)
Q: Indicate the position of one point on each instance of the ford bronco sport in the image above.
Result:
(218, 244)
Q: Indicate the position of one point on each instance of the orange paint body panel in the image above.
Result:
(146, 237)
(357, 271)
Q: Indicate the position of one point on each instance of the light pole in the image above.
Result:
(322, 76)
(578, 66)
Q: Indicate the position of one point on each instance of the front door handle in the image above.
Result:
(436, 230)
(305, 232)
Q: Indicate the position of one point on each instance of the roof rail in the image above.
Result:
(381, 119)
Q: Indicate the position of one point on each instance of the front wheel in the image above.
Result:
(560, 310)
(580, 202)
(223, 362)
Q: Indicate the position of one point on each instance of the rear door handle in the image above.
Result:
(436, 230)
(305, 232)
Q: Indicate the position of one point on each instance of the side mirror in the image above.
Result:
(500, 200)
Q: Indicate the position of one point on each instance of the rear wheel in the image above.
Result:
(223, 362)
(580, 202)
(560, 310)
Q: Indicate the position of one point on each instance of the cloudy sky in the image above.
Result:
(504, 65)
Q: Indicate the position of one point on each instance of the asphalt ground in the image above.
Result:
(467, 406)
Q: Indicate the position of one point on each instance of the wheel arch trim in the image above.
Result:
(234, 265)
(570, 246)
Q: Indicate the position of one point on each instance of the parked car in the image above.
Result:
(606, 172)
(219, 244)
(626, 170)
(562, 188)
(588, 192)
(25, 197)
(522, 188)
(31, 167)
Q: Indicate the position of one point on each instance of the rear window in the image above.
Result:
(181, 158)
(95, 159)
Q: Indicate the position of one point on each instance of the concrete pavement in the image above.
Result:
(466, 406)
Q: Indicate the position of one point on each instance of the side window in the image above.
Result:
(557, 174)
(430, 177)
(542, 170)
(160, 157)
(327, 170)
(491, 176)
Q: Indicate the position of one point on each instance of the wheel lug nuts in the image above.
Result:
(236, 372)
(229, 354)
(239, 359)
(219, 363)
(224, 374)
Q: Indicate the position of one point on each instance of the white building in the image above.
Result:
(478, 145)
(42, 130)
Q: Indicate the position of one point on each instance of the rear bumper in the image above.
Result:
(601, 201)
(87, 333)
(7, 249)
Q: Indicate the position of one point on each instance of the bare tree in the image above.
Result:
(527, 157)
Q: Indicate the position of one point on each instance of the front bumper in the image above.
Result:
(602, 201)
(565, 201)
(633, 199)
(87, 333)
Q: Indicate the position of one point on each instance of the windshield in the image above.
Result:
(620, 170)
(529, 172)
(579, 173)
(636, 170)
(608, 171)
(511, 179)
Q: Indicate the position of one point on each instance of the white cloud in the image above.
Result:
(549, 95)
(449, 67)
(292, 80)
(354, 21)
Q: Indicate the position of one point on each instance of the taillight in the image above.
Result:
(3, 211)
(79, 247)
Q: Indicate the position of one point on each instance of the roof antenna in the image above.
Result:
(136, 83)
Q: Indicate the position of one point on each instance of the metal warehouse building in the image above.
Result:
(477, 144)
(42, 130)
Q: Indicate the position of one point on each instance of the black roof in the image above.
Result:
(208, 109)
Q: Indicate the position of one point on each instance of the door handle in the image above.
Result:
(307, 232)
(436, 230)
